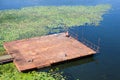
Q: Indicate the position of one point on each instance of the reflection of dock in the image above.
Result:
(46, 50)
(74, 62)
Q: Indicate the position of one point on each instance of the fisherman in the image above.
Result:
(67, 34)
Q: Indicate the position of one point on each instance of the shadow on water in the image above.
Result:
(74, 62)
(61, 66)
(66, 65)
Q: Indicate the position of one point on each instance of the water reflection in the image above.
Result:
(70, 63)
(69, 66)
(73, 63)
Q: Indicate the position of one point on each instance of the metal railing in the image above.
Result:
(90, 44)
(85, 41)
(74, 35)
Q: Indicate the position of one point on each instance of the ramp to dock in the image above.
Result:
(5, 58)
(43, 51)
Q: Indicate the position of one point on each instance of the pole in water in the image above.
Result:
(98, 45)
(82, 38)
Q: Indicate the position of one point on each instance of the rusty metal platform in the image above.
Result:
(43, 51)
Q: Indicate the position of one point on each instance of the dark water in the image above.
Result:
(103, 66)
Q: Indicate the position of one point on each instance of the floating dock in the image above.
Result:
(43, 51)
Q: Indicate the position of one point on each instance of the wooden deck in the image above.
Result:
(43, 51)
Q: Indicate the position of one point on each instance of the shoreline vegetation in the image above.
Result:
(41, 20)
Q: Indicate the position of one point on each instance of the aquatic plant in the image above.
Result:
(10, 73)
(40, 20)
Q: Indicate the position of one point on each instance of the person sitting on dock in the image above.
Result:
(67, 34)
